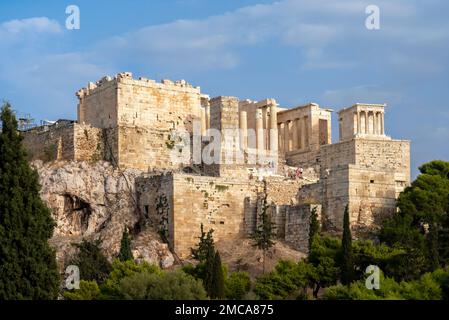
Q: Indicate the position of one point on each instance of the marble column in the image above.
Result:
(286, 136)
(273, 133)
(382, 123)
(295, 134)
(366, 122)
(259, 130)
(243, 130)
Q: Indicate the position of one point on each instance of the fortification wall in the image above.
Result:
(218, 203)
(297, 225)
(67, 141)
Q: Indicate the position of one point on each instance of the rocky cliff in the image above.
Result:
(97, 201)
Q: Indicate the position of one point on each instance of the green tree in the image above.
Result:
(237, 285)
(426, 287)
(205, 244)
(218, 283)
(264, 234)
(88, 291)
(422, 222)
(125, 247)
(347, 264)
(314, 226)
(324, 270)
(92, 263)
(209, 269)
(110, 289)
(28, 267)
(167, 285)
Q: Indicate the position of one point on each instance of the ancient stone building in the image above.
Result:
(212, 161)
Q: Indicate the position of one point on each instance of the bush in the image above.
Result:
(173, 285)
(238, 285)
(88, 291)
(425, 288)
(121, 270)
(288, 280)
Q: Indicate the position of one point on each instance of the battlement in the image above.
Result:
(127, 78)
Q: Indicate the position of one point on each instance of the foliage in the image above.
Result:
(422, 225)
(121, 270)
(289, 279)
(218, 282)
(237, 285)
(424, 288)
(205, 244)
(264, 234)
(171, 285)
(347, 265)
(93, 265)
(28, 267)
(314, 226)
(88, 291)
(125, 247)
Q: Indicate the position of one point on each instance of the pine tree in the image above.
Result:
(264, 234)
(347, 264)
(125, 253)
(28, 267)
(314, 226)
(205, 244)
(217, 285)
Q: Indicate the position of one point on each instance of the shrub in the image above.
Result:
(88, 291)
(173, 285)
(237, 285)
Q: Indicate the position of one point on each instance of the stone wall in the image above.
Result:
(64, 141)
(297, 225)
(365, 174)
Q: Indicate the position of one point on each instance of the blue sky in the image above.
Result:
(296, 51)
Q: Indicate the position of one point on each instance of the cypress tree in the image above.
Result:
(347, 264)
(28, 267)
(314, 226)
(432, 244)
(209, 271)
(125, 253)
(264, 234)
(217, 285)
(92, 263)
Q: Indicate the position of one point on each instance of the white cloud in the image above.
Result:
(13, 30)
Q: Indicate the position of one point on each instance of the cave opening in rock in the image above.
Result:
(77, 212)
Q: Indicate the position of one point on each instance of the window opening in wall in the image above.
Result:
(371, 181)
(221, 222)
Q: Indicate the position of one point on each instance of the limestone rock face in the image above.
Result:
(96, 201)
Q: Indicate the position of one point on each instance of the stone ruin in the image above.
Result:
(131, 123)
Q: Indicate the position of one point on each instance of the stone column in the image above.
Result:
(355, 124)
(286, 136)
(265, 126)
(281, 136)
(366, 122)
(359, 122)
(295, 134)
(303, 132)
(382, 123)
(243, 130)
(203, 121)
(259, 130)
(273, 128)
(207, 117)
